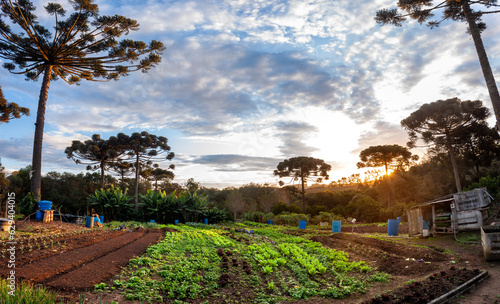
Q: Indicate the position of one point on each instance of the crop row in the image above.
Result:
(199, 262)
(179, 260)
(45, 241)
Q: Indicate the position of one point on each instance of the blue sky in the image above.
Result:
(245, 84)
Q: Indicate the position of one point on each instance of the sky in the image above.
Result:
(246, 84)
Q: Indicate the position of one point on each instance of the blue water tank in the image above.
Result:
(302, 224)
(205, 221)
(393, 227)
(44, 205)
(269, 222)
(336, 226)
(176, 222)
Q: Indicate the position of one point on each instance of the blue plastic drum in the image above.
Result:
(336, 226)
(393, 227)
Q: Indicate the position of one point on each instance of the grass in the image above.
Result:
(26, 293)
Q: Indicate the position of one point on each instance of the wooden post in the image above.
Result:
(48, 216)
(410, 232)
(434, 227)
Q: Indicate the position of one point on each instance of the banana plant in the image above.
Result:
(114, 203)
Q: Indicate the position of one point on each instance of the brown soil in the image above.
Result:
(408, 263)
(85, 260)
(108, 264)
(36, 248)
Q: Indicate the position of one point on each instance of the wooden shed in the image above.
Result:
(461, 211)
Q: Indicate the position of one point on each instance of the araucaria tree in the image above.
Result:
(144, 149)
(96, 153)
(440, 122)
(10, 110)
(457, 10)
(83, 46)
(301, 169)
(393, 157)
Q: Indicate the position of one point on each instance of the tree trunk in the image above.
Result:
(36, 179)
(303, 192)
(137, 184)
(454, 164)
(483, 60)
(387, 184)
(102, 176)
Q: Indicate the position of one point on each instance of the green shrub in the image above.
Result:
(326, 217)
(491, 183)
(290, 218)
(365, 209)
(257, 216)
(282, 207)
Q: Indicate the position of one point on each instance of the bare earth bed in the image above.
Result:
(82, 260)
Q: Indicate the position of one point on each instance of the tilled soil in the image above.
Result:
(107, 265)
(66, 243)
(87, 265)
(390, 257)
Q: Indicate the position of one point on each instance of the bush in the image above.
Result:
(257, 216)
(290, 218)
(216, 215)
(326, 217)
(282, 207)
(365, 209)
(491, 183)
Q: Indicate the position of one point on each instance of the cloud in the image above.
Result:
(234, 162)
(17, 148)
(293, 134)
(382, 133)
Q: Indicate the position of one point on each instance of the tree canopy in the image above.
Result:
(393, 157)
(10, 110)
(96, 153)
(302, 169)
(82, 46)
(143, 149)
(439, 123)
(456, 10)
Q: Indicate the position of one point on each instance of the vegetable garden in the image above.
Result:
(197, 263)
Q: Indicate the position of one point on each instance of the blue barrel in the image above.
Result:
(269, 222)
(302, 224)
(336, 226)
(88, 221)
(39, 215)
(44, 205)
(152, 221)
(205, 221)
(176, 222)
(393, 227)
(101, 218)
